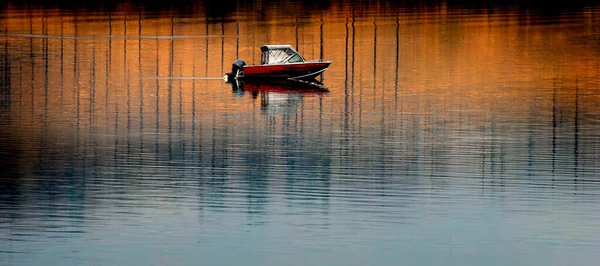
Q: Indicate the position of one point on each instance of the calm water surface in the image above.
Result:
(450, 135)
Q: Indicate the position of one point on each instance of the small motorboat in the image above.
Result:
(278, 62)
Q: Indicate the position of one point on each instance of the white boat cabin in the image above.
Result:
(279, 54)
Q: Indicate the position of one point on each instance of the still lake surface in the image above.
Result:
(447, 134)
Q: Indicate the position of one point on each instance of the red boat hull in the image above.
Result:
(290, 70)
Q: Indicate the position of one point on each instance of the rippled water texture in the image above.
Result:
(445, 135)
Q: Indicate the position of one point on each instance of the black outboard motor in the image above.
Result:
(236, 69)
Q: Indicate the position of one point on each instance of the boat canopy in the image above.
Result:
(279, 54)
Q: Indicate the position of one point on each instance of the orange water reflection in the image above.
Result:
(111, 73)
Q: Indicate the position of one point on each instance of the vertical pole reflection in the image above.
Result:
(92, 114)
(576, 133)
(32, 58)
(62, 57)
(297, 26)
(92, 89)
(374, 62)
(91, 117)
(157, 97)
(76, 75)
(45, 55)
(128, 100)
(141, 83)
(397, 65)
(530, 144)
(222, 44)
(554, 131)
(353, 57)
(321, 55)
(5, 85)
(206, 84)
(206, 49)
(107, 69)
(196, 151)
(116, 132)
(21, 89)
(360, 102)
(346, 93)
(383, 112)
(194, 90)
(44, 122)
(237, 39)
(397, 121)
(181, 123)
(170, 90)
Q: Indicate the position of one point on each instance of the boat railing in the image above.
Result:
(316, 61)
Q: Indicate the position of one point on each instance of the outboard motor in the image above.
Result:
(236, 69)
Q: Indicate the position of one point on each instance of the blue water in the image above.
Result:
(441, 134)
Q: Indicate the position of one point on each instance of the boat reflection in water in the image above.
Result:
(279, 96)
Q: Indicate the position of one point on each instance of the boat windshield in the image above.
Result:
(279, 55)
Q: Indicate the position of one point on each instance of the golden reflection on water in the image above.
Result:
(111, 72)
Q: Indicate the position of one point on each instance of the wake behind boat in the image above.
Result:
(278, 62)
